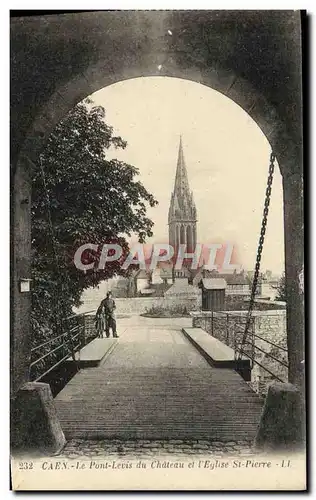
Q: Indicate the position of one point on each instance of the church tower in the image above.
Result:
(182, 211)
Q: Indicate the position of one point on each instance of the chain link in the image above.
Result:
(259, 252)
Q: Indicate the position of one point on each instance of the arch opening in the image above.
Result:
(74, 90)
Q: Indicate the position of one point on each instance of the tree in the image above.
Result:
(80, 196)
(281, 291)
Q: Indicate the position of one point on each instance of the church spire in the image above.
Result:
(182, 206)
(182, 210)
(181, 183)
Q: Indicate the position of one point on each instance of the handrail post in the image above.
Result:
(83, 318)
(253, 342)
(64, 344)
(212, 322)
(235, 343)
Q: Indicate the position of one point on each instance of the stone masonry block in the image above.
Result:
(282, 419)
(35, 423)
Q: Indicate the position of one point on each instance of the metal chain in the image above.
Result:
(259, 252)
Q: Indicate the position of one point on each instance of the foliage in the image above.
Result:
(80, 196)
(175, 311)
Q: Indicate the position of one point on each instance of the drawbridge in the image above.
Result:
(153, 383)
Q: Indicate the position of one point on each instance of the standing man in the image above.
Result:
(105, 317)
(109, 307)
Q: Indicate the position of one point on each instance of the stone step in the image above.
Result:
(216, 352)
(93, 353)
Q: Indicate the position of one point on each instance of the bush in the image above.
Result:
(176, 311)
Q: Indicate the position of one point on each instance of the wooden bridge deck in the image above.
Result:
(155, 384)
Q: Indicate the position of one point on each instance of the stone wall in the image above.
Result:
(235, 302)
(270, 327)
(140, 305)
(92, 297)
(228, 327)
(238, 303)
(267, 305)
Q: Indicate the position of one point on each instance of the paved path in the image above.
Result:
(115, 448)
(155, 385)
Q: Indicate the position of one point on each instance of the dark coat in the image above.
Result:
(104, 313)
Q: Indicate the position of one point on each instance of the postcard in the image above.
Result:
(157, 264)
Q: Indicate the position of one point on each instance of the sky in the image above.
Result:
(226, 154)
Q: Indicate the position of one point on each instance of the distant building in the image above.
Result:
(236, 283)
(267, 275)
(166, 275)
(213, 294)
(182, 290)
(269, 285)
(155, 277)
(182, 217)
(142, 278)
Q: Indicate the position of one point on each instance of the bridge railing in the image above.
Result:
(253, 351)
(263, 352)
(49, 355)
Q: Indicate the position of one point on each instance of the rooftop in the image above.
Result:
(213, 283)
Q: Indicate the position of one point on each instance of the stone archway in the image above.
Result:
(96, 77)
(108, 67)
